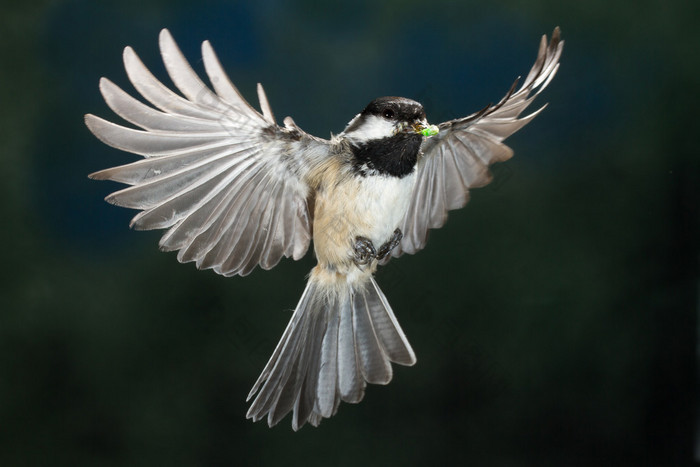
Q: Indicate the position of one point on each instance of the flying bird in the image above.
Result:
(235, 190)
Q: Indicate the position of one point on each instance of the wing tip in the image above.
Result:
(554, 39)
(91, 123)
(128, 53)
(556, 43)
(165, 35)
(99, 175)
(98, 126)
(112, 199)
(265, 105)
(207, 49)
(94, 123)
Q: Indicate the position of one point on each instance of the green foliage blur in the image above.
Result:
(554, 318)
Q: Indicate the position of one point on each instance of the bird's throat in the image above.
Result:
(394, 156)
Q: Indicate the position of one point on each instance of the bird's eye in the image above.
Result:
(388, 113)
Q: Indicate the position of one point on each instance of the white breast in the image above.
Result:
(383, 202)
(354, 206)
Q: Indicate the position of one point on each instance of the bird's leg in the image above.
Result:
(364, 251)
(385, 250)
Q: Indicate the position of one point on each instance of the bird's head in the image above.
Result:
(387, 117)
(385, 138)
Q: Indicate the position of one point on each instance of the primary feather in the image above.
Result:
(458, 157)
(212, 162)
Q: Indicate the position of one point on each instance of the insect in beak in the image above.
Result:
(419, 126)
(424, 129)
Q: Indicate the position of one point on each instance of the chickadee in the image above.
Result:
(235, 191)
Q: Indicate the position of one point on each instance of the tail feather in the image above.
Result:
(309, 363)
(340, 337)
(388, 331)
(276, 374)
(293, 323)
(374, 362)
(327, 401)
(350, 382)
(290, 390)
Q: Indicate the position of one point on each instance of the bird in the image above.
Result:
(235, 191)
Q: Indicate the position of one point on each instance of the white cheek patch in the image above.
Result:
(372, 128)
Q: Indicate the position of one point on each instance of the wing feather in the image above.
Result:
(221, 82)
(134, 111)
(183, 75)
(250, 235)
(192, 204)
(454, 183)
(145, 170)
(156, 92)
(149, 143)
(170, 186)
(224, 179)
(273, 247)
(458, 157)
(229, 240)
(217, 209)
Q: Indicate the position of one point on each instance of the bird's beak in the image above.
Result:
(424, 129)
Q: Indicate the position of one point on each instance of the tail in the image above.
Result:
(342, 335)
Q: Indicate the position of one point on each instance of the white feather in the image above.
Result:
(383, 200)
(372, 127)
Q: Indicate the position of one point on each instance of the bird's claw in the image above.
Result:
(385, 250)
(364, 251)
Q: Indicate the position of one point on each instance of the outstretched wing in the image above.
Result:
(458, 157)
(226, 181)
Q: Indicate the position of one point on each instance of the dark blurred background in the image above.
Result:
(554, 318)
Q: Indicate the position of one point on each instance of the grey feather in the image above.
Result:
(148, 118)
(386, 326)
(327, 389)
(336, 342)
(222, 84)
(308, 392)
(350, 382)
(183, 75)
(156, 92)
(265, 105)
(150, 143)
(227, 182)
(218, 211)
(457, 158)
(374, 364)
(143, 170)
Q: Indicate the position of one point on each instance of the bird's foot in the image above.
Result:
(385, 250)
(364, 251)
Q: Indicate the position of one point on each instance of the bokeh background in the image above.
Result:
(554, 318)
